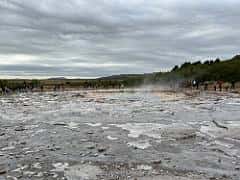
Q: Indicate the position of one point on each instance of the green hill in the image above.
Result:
(228, 70)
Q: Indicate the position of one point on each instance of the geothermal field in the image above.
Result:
(120, 135)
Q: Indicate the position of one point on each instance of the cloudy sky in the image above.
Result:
(92, 38)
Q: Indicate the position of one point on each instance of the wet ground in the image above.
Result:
(119, 135)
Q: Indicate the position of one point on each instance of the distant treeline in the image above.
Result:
(199, 71)
(217, 70)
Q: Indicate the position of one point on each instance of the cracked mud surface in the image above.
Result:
(98, 135)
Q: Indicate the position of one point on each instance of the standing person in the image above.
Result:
(215, 87)
(205, 86)
(220, 85)
(232, 85)
(195, 84)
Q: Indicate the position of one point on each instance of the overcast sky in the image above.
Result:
(92, 38)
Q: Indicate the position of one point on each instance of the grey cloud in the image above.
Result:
(147, 35)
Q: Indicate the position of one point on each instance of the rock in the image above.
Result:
(90, 133)
(8, 148)
(20, 128)
(2, 133)
(3, 169)
(224, 176)
(55, 148)
(58, 148)
(19, 156)
(102, 149)
(23, 143)
(157, 162)
(213, 178)
(237, 168)
(90, 146)
(179, 133)
(186, 136)
(60, 124)
(78, 95)
(29, 173)
(37, 157)
(40, 174)
(93, 155)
